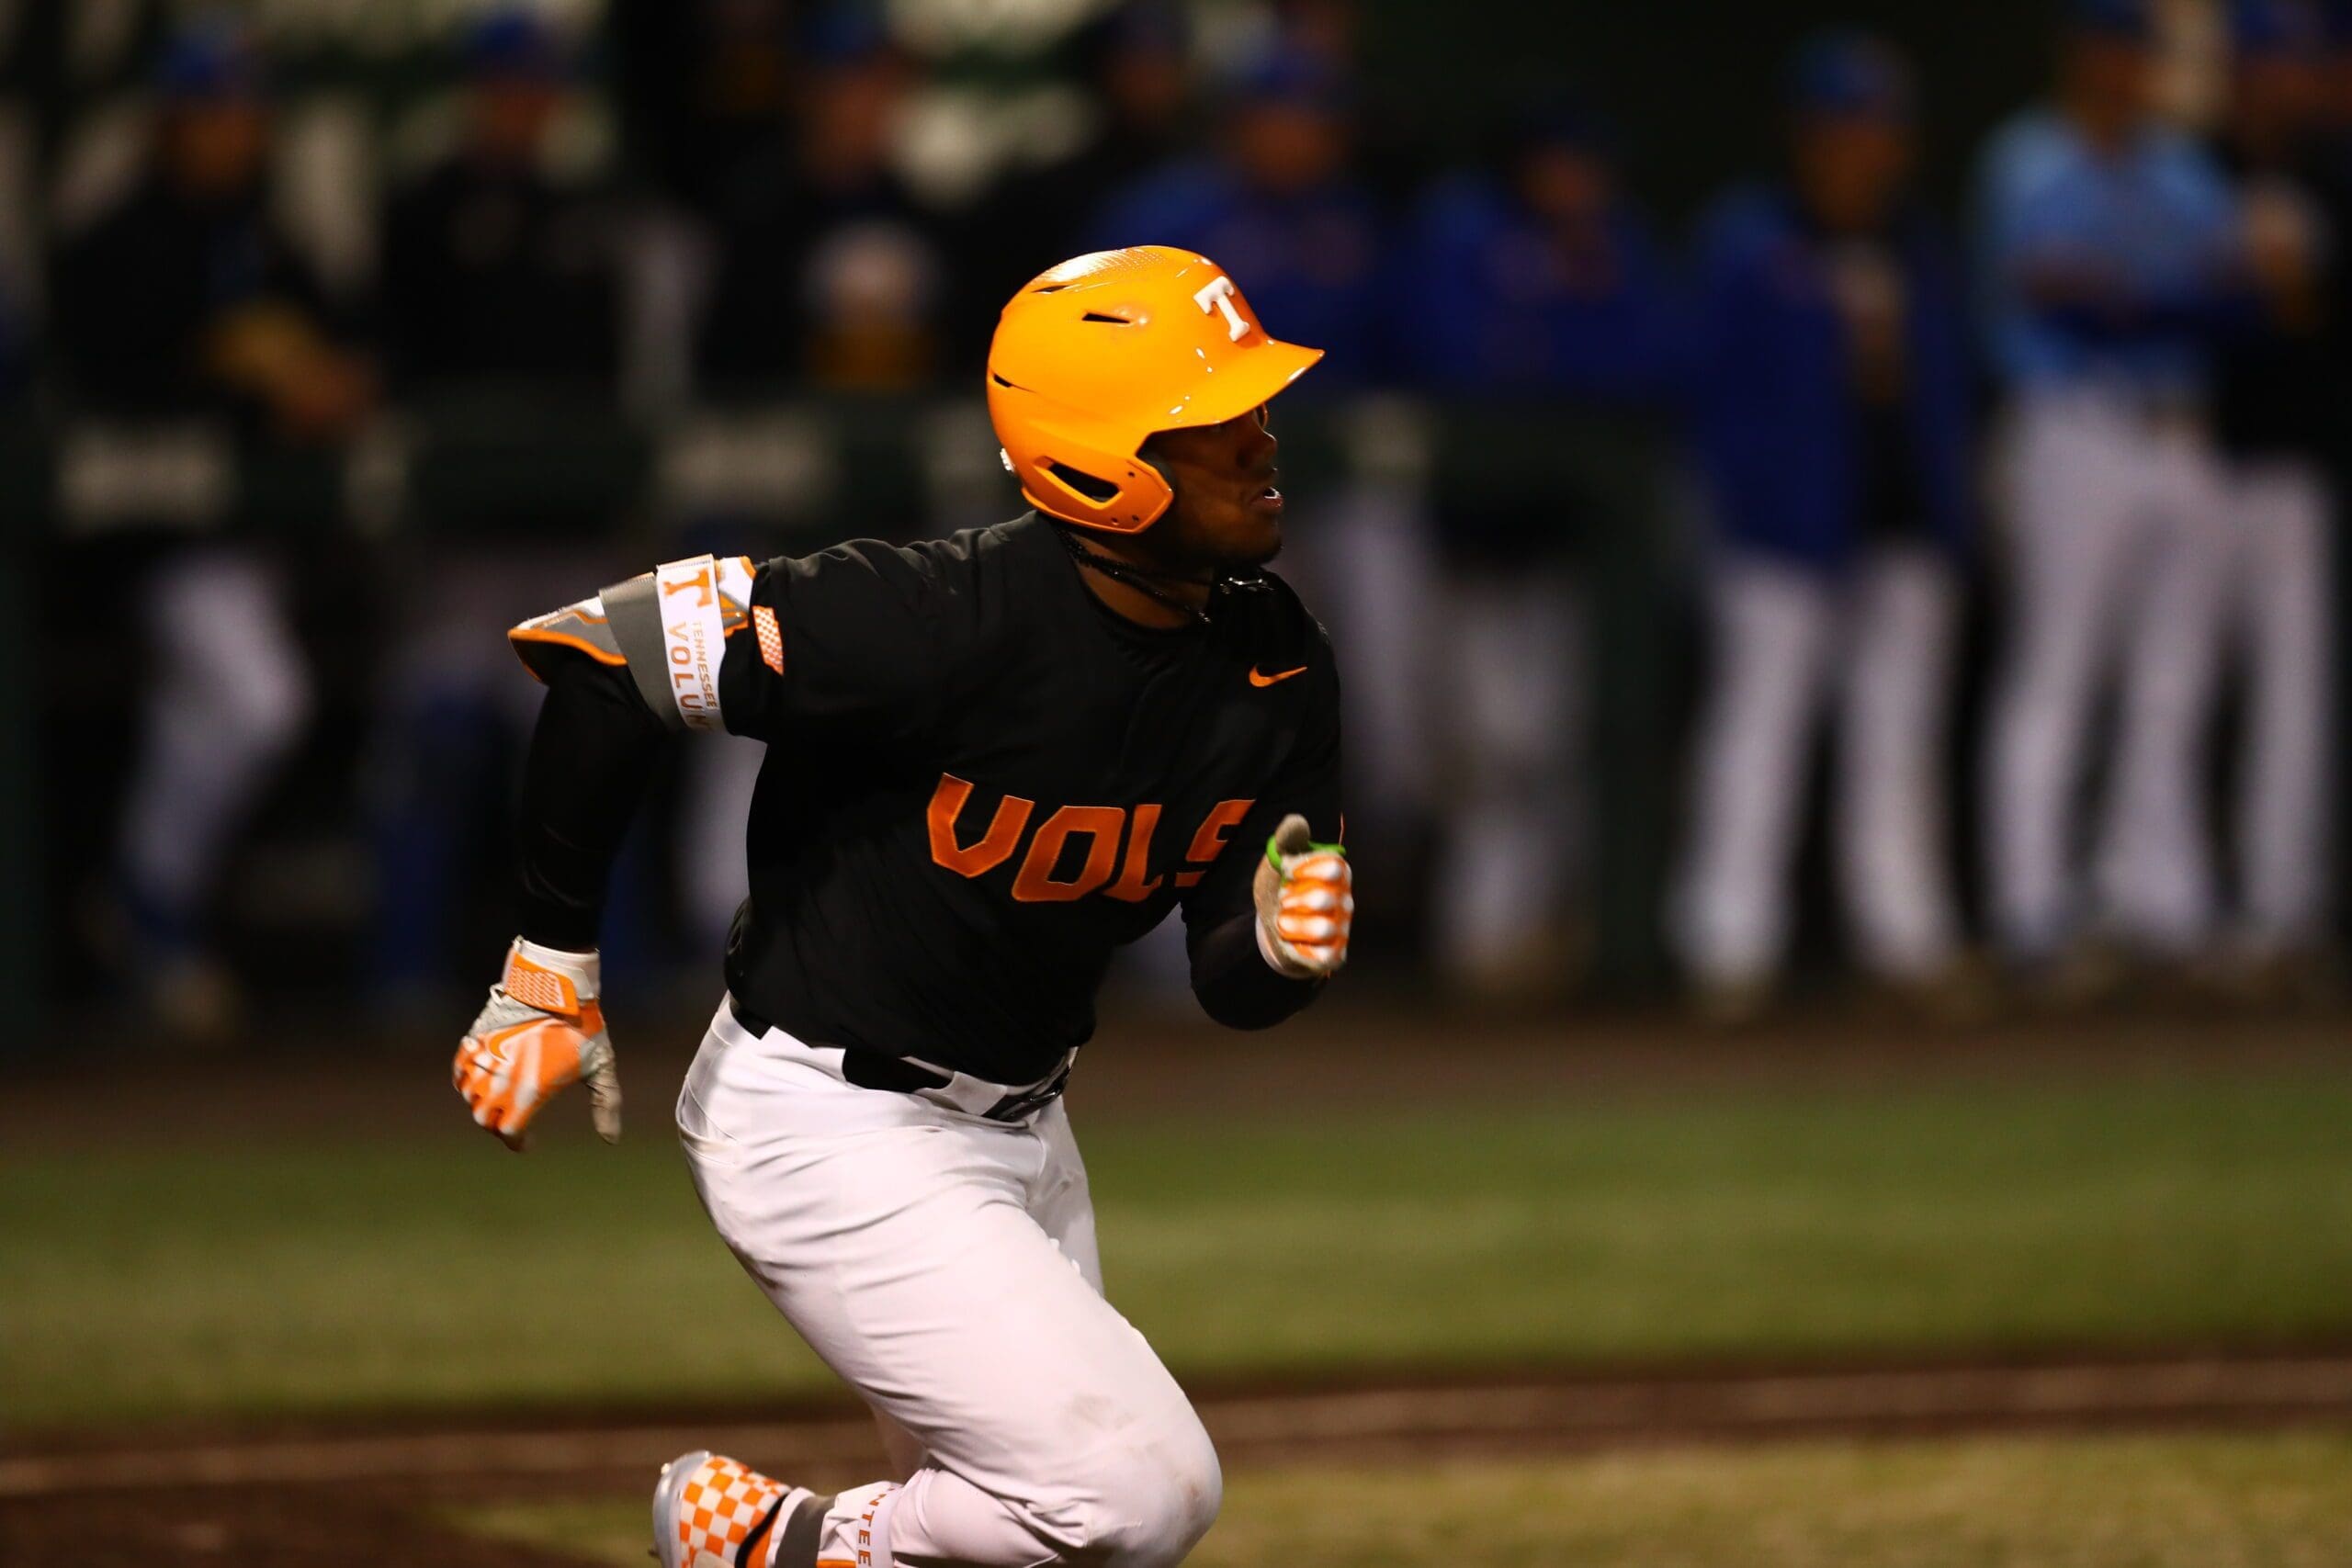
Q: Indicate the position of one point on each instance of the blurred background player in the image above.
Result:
(704, 93)
(2278, 406)
(497, 280)
(497, 267)
(829, 267)
(703, 88)
(182, 300)
(1137, 63)
(2107, 265)
(1535, 283)
(1833, 417)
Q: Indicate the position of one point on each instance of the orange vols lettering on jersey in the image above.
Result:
(1100, 825)
(1132, 887)
(1035, 885)
(1209, 842)
(995, 846)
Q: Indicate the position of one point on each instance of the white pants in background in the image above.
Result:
(230, 693)
(2119, 557)
(944, 1266)
(1514, 705)
(2280, 595)
(1788, 640)
(1365, 564)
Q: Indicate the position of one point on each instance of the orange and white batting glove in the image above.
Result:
(1306, 895)
(541, 1030)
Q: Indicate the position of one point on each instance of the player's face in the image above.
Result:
(511, 118)
(1564, 185)
(1288, 147)
(213, 147)
(2111, 79)
(1227, 515)
(1850, 168)
(2275, 97)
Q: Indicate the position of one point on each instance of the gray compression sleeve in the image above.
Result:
(636, 621)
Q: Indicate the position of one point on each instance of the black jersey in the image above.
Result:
(981, 781)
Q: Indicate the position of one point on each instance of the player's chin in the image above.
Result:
(1250, 537)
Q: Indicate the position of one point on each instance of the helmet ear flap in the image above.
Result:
(1079, 475)
(1119, 495)
(1153, 472)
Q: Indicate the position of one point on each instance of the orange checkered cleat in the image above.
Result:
(541, 1030)
(710, 1511)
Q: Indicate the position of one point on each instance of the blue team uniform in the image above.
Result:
(1487, 306)
(1782, 433)
(2156, 220)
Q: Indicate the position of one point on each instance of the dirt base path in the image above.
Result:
(336, 1496)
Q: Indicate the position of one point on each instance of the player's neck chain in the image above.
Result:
(1147, 581)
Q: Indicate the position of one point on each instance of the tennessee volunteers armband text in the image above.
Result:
(668, 627)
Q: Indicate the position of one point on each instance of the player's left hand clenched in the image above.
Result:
(541, 1030)
(1306, 895)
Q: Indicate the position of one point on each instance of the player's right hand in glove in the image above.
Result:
(541, 1030)
(1306, 896)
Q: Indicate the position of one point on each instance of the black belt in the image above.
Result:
(869, 1068)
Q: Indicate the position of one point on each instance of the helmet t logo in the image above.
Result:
(1217, 294)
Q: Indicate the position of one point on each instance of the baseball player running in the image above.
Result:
(991, 759)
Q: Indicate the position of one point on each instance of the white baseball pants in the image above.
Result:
(2119, 562)
(944, 1266)
(230, 694)
(1786, 641)
(1515, 705)
(1367, 561)
(2280, 609)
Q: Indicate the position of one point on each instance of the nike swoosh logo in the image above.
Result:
(1259, 678)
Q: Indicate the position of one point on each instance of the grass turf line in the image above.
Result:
(2278, 1500)
(306, 1278)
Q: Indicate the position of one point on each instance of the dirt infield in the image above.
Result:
(338, 1494)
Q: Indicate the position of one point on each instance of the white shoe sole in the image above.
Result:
(665, 1507)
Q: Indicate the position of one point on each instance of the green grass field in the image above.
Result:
(303, 1275)
(2276, 1501)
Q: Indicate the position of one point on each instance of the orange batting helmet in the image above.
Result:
(1093, 356)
